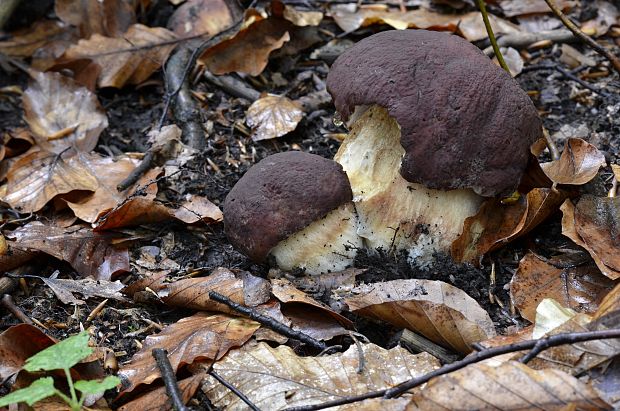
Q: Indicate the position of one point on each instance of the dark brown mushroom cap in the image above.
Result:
(279, 196)
(465, 123)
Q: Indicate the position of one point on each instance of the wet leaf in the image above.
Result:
(128, 60)
(578, 164)
(496, 224)
(593, 225)
(248, 51)
(90, 254)
(437, 310)
(511, 385)
(276, 378)
(201, 17)
(200, 337)
(580, 288)
(19, 343)
(158, 399)
(107, 17)
(273, 116)
(62, 114)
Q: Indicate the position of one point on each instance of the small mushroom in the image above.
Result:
(296, 209)
(434, 126)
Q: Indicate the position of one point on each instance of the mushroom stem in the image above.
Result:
(394, 214)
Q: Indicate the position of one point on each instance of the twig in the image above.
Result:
(170, 380)
(419, 343)
(7, 302)
(520, 40)
(232, 86)
(584, 37)
(551, 341)
(136, 173)
(269, 322)
(487, 24)
(234, 390)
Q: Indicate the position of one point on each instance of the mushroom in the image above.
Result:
(434, 127)
(296, 209)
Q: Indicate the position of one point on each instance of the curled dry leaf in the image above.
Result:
(130, 59)
(509, 386)
(578, 164)
(19, 343)
(62, 114)
(200, 337)
(276, 378)
(106, 17)
(158, 399)
(273, 116)
(196, 17)
(248, 51)
(90, 254)
(437, 310)
(594, 224)
(580, 288)
(496, 224)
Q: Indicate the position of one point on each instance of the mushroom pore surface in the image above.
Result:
(465, 123)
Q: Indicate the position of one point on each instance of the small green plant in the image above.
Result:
(60, 356)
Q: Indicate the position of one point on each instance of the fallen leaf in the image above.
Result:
(197, 17)
(593, 225)
(273, 116)
(580, 288)
(24, 42)
(64, 289)
(616, 170)
(496, 224)
(578, 164)
(610, 303)
(512, 8)
(302, 18)
(437, 310)
(202, 336)
(606, 16)
(106, 17)
(196, 208)
(90, 254)
(276, 378)
(248, 51)
(128, 60)
(511, 385)
(158, 399)
(19, 343)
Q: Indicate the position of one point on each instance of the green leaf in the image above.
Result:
(38, 390)
(95, 387)
(62, 355)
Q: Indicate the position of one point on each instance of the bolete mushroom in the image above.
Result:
(296, 208)
(434, 125)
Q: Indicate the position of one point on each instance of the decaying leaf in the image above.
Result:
(106, 17)
(509, 386)
(579, 163)
(64, 289)
(437, 310)
(158, 399)
(594, 225)
(25, 42)
(90, 254)
(129, 59)
(19, 343)
(62, 114)
(496, 224)
(276, 378)
(196, 17)
(273, 116)
(302, 18)
(580, 288)
(248, 52)
(202, 336)
(606, 16)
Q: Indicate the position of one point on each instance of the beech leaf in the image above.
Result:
(273, 116)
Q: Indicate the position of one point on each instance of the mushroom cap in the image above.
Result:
(465, 123)
(280, 195)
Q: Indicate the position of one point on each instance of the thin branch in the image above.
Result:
(234, 390)
(583, 36)
(136, 173)
(269, 322)
(169, 377)
(487, 24)
(547, 342)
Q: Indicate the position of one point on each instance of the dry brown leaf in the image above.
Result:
(62, 114)
(580, 288)
(24, 42)
(158, 399)
(273, 116)
(39, 176)
(606, 16)
(202, 336)
(496, 224)
(437, 310)
(196, 208)
(276, 378)
(248, 51)
(600, 230)
(19, 343)
(302, 18)
(578, 164)
(509, 386)
(90, 254)
(196, 17)
(128, 60)
(512, 8)
(610, 304)
(88, 287)
(616, 170)
(107, 17)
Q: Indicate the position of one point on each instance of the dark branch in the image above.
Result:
(169, 377)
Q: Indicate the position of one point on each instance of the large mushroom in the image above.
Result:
(434, 126)
(295, 208)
